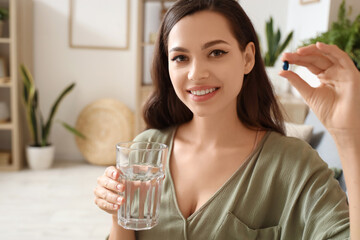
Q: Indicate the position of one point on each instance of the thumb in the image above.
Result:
(304, 89)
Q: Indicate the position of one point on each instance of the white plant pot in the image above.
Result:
(40, 158)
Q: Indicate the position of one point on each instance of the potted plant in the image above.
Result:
(4, 15)
(274, 48)
(40, 154)
(343, 33)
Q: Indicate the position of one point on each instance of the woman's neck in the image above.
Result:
(221, 130)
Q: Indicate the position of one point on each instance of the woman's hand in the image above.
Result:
(107, 191)
(336, 102)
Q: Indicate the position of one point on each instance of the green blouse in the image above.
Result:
(283, 191)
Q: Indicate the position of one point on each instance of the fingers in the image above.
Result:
(315, 62)
(331, 52)
(104, 205)
(112, 172)
(110, 184)
(335, 53)
(304, 89)
(108, 196)
(314, 50)
(107, 191)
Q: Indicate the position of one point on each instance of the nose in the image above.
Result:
(198, 70)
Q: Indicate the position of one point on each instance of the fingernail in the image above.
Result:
(115, 206)
(114, 174)
(119, 199)
(119, 187)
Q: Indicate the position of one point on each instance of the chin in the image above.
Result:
(203, 113)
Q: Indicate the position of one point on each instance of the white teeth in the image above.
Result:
(203, 92)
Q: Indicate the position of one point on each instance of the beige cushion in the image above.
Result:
(105, 123)
(301, 131)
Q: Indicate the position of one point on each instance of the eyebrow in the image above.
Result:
(205, 46)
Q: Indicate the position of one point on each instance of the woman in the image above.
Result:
(231, 172)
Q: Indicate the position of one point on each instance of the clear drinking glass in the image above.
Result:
(141, 166)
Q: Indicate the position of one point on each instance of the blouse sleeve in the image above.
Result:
(317, 208)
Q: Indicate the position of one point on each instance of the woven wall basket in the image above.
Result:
(105, 123)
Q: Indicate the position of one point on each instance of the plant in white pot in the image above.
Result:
(274, 48)
(40, 154)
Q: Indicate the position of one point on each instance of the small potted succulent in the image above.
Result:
(40, 154)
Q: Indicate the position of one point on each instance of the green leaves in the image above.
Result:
(275, 48)
(343, 33)
(30, 99)
(54, 108)
(40, 129)
(4, 14)
(73, 130)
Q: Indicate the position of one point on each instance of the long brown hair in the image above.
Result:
(256, 104)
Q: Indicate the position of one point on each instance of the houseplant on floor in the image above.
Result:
(40, 154)
(274, 48)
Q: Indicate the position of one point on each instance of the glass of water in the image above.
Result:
(141, 166)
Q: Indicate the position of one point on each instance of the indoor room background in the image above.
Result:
(57, 203)
(112, 73)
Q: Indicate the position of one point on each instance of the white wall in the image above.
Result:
(259, 11)
(307, 20)
(97, 73)
(355, 6)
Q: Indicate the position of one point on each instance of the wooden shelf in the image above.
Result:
(6, 126)
(8, 168)
(159, 0)
(144, 44)
(145, 91)
(5, 160)
(5, 82)
(5, 40)
(10, 131)
(5, 85)
(144, 49)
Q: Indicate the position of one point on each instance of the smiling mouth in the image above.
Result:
(203, 91)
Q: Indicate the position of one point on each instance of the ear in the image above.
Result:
(249, 57)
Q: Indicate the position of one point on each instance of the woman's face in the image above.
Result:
(206, 65)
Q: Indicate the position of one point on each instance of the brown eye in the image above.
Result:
(217, 53)
(179, 58)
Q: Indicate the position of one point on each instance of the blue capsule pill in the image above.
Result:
(286, 65)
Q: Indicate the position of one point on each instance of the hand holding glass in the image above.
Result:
(141, 166)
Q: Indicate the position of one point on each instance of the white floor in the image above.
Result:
(54, 204)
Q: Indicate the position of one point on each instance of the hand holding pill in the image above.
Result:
(335, 101)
